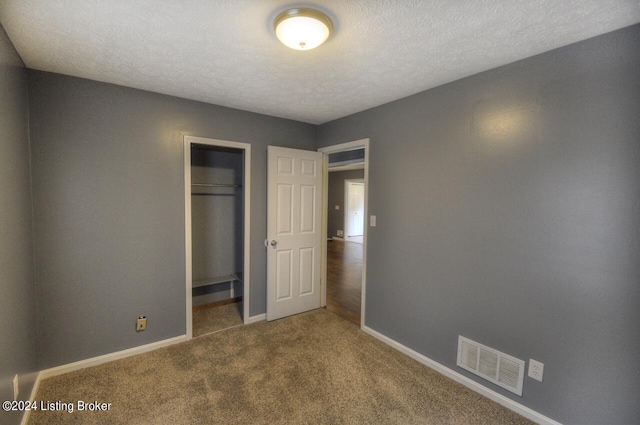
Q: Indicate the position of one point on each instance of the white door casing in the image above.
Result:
(343, 147)
(294, 238)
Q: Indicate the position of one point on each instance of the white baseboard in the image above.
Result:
(257, 318)
(337, 238)
(469, 383)
(490, 394)
(32, 397)
(94, 361)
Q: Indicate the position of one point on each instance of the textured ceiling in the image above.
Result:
(225, 52)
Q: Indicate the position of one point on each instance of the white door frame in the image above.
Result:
(342, 147)
(347, 227)
(246, 273)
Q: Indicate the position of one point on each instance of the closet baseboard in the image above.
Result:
(257, 318)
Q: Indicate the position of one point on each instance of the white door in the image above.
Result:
(294, 190)
(355, 209)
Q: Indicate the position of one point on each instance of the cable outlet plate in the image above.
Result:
(141, 324)
(536, 370)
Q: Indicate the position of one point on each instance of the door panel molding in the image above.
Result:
(294, 191)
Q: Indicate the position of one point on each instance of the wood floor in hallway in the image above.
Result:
(344, 279)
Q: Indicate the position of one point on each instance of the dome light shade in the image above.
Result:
(302, 29)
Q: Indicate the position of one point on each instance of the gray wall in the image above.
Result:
(335, 218)
(109, 209)
(18, 348)
(508, 211)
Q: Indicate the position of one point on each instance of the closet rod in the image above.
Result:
(215, 185)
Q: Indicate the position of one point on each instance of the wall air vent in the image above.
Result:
(492, 365)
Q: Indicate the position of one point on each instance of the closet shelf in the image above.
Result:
(212, 185)
(215, 185)
(216, 280)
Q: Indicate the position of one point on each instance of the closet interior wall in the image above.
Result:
(217, 222)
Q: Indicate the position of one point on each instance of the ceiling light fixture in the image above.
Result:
(302, 28)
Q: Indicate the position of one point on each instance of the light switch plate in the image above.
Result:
(372, 221)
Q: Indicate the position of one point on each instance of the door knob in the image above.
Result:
(274, 242)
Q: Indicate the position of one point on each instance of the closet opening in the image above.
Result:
(216, 234)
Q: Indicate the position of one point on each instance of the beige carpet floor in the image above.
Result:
(313, 368)
(215, 319)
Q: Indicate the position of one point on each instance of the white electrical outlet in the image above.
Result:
(337, 207)
(16, 387)
(340, 233)
(536, 370)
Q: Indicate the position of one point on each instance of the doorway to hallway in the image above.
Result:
(345, 203)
